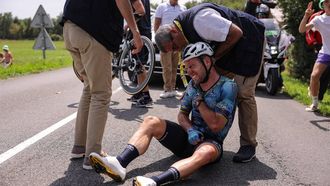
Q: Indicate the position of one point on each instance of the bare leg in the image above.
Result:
(318, 70)
(205, 153)
(141, 77)
(150, 127)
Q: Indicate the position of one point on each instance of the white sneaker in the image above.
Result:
(176, 93)
(108, 165)
(143, 181)
(312, 108)
(166, 94)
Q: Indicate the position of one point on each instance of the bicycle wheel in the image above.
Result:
(132, 65)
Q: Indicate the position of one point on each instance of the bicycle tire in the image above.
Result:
(127, 70)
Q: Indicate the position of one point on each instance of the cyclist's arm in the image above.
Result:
(185, 109)
(217, 119)
(184, 120)
(125, 9)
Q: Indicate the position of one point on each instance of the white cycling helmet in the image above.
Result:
(5, 47)
(196, 50)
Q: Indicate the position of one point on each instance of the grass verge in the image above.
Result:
(28, 61)
(298, 91)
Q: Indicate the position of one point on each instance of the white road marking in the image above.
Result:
(25, 144)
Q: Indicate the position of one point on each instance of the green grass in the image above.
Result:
(27, 60)
(298, 91)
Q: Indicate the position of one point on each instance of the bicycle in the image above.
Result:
(126, 66)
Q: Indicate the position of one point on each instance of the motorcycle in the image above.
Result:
(276, 50)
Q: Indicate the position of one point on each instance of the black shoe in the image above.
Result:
(144, 101)
(245, 154)
(135, 97)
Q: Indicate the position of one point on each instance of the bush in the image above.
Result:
(56, 37)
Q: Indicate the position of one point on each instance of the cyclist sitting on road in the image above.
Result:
(238, 39)
(211, 100)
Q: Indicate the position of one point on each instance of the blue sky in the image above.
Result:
(27, 8)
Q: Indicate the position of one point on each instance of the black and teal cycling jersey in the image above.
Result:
(221, 98)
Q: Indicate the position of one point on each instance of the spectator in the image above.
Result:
(7, 57)
(92, 31)
(238, 39)
(198, 141)
(165, 14)
(320, 23)
(324, 83)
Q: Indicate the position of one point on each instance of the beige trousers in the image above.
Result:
(169, 63)
(247, 107)
(93, 63)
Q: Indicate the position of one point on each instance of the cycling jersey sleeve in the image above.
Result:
(227, 105)
(211, 26)
(186, 101)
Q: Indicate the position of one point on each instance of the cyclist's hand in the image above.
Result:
(137, 42)
(194, 136)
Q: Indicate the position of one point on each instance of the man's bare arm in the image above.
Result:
(126, 11)
(138, 7)
(157, 23)
(235, 33)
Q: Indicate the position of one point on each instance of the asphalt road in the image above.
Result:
(37, 124)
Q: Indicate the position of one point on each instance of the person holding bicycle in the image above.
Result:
(142, 8)
(93, 31)
(238, 39)
(210, 99)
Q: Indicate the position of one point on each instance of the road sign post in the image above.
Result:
(42, 20)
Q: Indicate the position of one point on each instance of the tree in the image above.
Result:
(5, 22)
(302, 55)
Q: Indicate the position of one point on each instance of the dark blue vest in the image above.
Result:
(100, 18)
(245, 57)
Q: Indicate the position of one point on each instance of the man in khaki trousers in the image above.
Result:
(165, 14)
(92, 32)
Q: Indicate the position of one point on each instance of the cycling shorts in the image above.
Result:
(176, 140)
